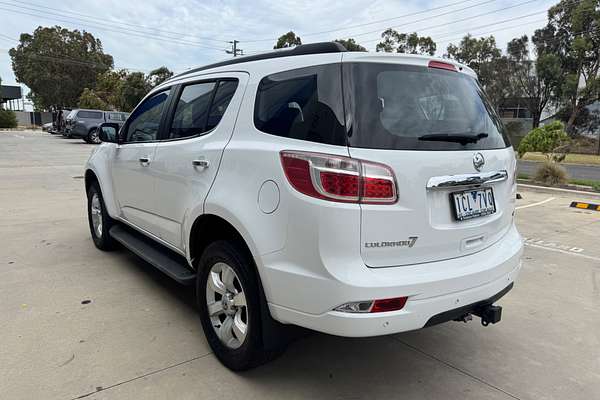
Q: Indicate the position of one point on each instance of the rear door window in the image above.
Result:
(304, 104)
(89, 115)
(191, 113)
(402, 107)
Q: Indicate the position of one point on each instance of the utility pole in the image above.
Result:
(234, 50)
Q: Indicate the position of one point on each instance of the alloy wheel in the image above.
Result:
(96, 212)
(226, 305)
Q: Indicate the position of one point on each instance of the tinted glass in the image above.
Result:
(412, 108)
(303, 104)
(223, 96)
(89, 115)
(144, 122)
(191, 113)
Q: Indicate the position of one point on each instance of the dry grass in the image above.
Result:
(570, 159)
(551, 173)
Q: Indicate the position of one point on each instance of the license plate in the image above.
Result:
(473, 203)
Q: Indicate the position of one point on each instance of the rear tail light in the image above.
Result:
(373, 306)
(339, 178)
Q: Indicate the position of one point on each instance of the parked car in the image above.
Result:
(84, 123)
(356, 194)
(47, 127)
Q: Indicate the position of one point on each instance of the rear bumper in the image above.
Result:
(432, 289)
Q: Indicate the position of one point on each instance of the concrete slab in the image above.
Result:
(139, 336)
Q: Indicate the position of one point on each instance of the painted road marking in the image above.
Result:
(563, 252)
(539, 203)
(559, 248)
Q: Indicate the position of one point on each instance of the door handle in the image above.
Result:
(201, 163)
(144, 161)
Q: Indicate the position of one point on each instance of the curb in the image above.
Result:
(544, 189)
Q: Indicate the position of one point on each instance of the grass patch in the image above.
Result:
(570, 159)
(583, 182)
(586, 182)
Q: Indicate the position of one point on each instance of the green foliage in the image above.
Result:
(57, 64)
(551, 140)
(405, 43)
(158, 76)
(475, 53)
(350, 44)
(89, 99)
(571, 34)
(122, 90)
(288, 40)
(485, 58)
(534, 81)
(551, 173)
(8, 119)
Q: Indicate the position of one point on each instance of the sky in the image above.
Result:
(187, 33)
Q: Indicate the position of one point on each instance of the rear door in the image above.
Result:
(454, 167)
(187, 159)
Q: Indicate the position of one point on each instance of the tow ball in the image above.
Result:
(489, 314)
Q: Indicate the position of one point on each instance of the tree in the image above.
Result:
(405, 43)
(350, 44)
(534, 80)
(89, 99)
(571, 34)
(485, 58)
(57, 64)
(288, 40)
(475, 53)
(158, 76)
(133, 89)
(8, 119)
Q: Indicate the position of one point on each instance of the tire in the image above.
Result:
(237, 352)
(99, 220)
(93, 137)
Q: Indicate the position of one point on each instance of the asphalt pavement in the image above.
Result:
(78, 323)
(575, 171)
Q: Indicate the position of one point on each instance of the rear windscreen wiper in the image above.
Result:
(453, 137)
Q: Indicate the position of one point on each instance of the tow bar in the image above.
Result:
(489, 314)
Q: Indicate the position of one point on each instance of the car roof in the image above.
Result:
(260, 65)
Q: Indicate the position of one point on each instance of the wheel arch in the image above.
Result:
(218, 228)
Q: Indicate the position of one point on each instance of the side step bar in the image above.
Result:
(165, 260)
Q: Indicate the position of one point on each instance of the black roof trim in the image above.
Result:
(303, 49)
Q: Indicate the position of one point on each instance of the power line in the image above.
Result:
(123, 30)
(370, 23)
(95, 18)
(453, 21)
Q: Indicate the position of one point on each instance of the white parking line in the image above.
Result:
(563, 251)
(539, 203)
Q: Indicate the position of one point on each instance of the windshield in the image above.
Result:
(403, 107)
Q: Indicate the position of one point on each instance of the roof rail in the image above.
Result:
(303, 49)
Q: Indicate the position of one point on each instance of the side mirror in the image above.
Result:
(109, 132)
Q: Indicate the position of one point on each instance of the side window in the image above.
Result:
(89, 115)
(223, 96)
(144, 123)
(191, 113)
(303, 104)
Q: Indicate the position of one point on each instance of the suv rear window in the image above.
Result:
(89, 115)
(403, 107)
(302, 104)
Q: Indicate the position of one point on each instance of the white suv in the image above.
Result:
(356, 194)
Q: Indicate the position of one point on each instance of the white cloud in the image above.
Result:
(194, 21)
